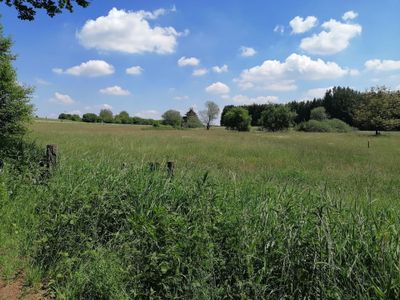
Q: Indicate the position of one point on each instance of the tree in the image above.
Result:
(27, 8)
(90, 118)
(191, 120)
(209, 114)
(237, 118)
(277, 117)
(106, 116)
(15, 107)
(318, 113)
(173, 118)
(380, 110)
(122, 118)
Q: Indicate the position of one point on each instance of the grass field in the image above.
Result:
(247, 215)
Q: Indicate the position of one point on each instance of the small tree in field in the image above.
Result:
(173, 118)
(318, 113)
(237, 118)
(277, 117)
(15, 109)
(210, 114)
(106, 116)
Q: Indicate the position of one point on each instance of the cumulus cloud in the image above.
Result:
(200, 72)
(62, 99)
(91, 68)
(115, 91)
(382, 65)
(317, 92)
(301, 25)
(349, 15)
(335, 38)
(282, 76)
(129, 32)
(220, 69)
(246, 100)
(279, 29)
(188, 61)
(247, 51)
(104, 106)
(218, 88)
(135, 70)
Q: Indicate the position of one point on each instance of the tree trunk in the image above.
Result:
(377, 132)
(208, 126)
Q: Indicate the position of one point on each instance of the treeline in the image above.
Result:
(376, 109)
(106, 116)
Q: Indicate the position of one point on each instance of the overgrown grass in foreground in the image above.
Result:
(102, 232)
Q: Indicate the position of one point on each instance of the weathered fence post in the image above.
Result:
(51, 156)
(1, 166)
(170, 168)
(368, 144)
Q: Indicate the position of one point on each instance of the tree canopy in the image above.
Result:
(210, 113)
(277, 117)
(27, 8)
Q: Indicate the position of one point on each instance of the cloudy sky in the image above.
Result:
(149, 56)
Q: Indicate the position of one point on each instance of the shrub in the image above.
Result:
(338, 125)
(331, 125)
(277, 117)
(90, 118)
(172, 117)
(237, 118)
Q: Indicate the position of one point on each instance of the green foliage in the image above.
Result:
(90, 118)
(237, 118)
(276, 117)
(209, 114)
(122, 118)
(106, 116)
(173, 118)
(15, 109)
(328, 125)
(71, 117)
(191, 120)
(27, 8)
(380, 110)
(318, 113)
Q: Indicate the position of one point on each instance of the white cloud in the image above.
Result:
(218, 88)
(282, 76)
(188, 61)
(148, 114)
(42, 81)
(349, 15)
(115, 91)
(220, 69)
(247, 51)
(317, 92)
(129, 32)
(75, 112)
(62, 99)
(335, 38)
(246, 100)
(382, 65)
(91, 68)
(279, 29)
(104, 106)
(301, 25)
(135, 70)
(200, 72)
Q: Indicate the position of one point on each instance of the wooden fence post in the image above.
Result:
(368, 144)
(170, 168)
(51, 156)
(1, 166)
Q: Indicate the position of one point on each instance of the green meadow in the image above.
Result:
(249, 215)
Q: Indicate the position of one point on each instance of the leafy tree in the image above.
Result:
(380, 110)
(106, 116)
(318, 113)
(237, 118)
(27, 8)
(122, 118)
(72, 117)
(15, 109)
(210, 114)
(191, 120)
(90, 118)
(224, 112)
(277, 117)
(172, 117)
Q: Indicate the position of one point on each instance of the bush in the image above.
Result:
(90, 118)
(237, 118)
(331, 125)
(172, 117)
(277, 117)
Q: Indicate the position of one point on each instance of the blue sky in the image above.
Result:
(149, 56)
